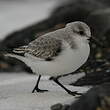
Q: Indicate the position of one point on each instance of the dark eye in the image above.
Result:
(81, 32)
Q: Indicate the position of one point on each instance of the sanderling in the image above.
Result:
(56, 53)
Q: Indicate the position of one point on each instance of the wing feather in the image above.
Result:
(43, 47)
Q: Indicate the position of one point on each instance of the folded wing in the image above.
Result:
(43, 47)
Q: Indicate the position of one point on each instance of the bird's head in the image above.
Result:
(79, 29)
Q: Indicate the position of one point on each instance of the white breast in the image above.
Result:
(68, 61)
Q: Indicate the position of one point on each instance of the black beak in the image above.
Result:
(97, 42)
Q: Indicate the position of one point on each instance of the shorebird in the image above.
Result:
(56, 53)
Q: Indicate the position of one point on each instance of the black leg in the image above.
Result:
(36, 86)
(68, 91)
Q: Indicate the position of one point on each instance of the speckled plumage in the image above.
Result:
(44, 47)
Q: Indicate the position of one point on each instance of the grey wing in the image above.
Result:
(44, 47)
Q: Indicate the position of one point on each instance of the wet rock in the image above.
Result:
(97, 98)
(98, 72)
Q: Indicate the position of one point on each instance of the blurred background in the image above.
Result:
(17, 14)
(21, 20)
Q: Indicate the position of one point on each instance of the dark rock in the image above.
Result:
(60, 107)
(94, 78)
(99, 21)
(57, 107)
(97, 73)
(97, 98)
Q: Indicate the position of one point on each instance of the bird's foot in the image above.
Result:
(74, 93)
(38, 90)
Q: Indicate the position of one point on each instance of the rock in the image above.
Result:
(99, 73)
(60, 107)
(97, 98)
(57, 107)
(99, 21)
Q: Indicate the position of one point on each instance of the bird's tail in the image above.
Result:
(22, 58)
(21, 49)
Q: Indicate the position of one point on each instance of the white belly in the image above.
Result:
(68, 61)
